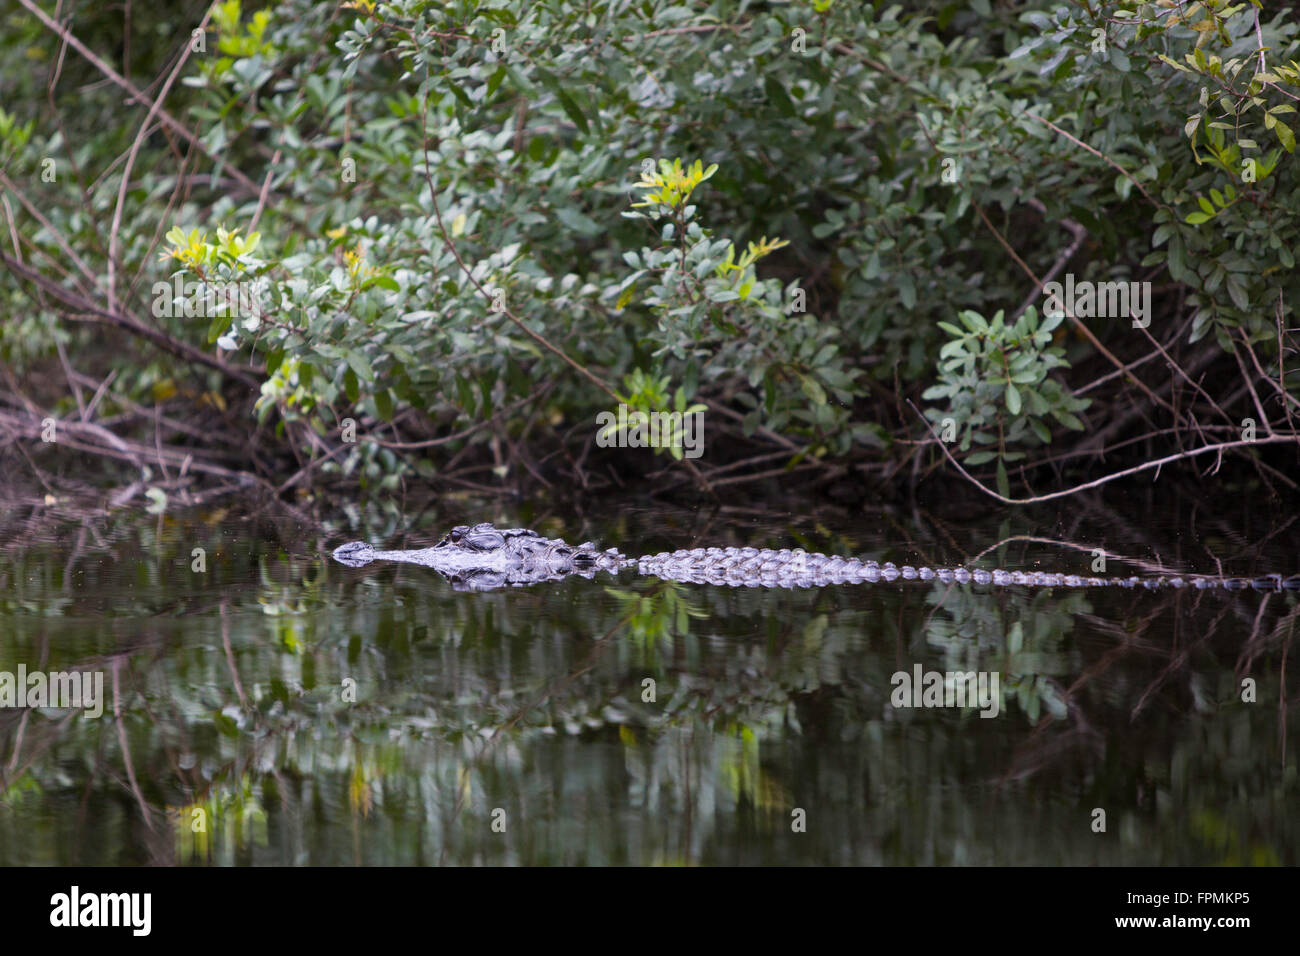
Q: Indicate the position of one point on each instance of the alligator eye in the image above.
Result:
(486, 539)
(452, 537)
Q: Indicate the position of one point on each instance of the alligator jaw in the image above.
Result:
(448, 560)
(355, 554)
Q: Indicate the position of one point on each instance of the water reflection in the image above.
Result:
(275, 707)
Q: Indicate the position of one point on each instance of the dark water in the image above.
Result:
(632, 721)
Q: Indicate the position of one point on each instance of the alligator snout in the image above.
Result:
(354, 554)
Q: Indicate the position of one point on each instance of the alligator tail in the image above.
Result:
(758, 567)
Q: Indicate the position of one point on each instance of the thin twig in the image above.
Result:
(1083, 329)
(1145, 466)
(1102, 156)
(157, 337)
(125, 185)
(136, 95)
(1066, 255)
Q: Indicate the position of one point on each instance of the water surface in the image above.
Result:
(269, 706)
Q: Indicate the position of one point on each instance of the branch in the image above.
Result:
(1079, 233)
(1083, 329)
(1270, 440)
(1104, 158)
(137, 96)
(161, 339)
(125, 184)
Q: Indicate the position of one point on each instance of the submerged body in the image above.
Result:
(483, 557)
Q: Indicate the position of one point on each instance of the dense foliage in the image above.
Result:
(493, 221)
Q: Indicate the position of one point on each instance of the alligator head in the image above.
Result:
(484, 557)
(354, 554)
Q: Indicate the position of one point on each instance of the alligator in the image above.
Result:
(484, 557)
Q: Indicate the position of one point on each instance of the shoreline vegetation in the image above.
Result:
(849, 250)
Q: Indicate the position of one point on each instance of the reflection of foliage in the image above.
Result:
(767, 700)
(745, 777)
(230, 813)
(655, 616)
(25, 787)
(974, 633)
(285, 607)
(359, 795)
(1025, 672)
(1219, 835)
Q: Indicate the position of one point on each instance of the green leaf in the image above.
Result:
(567, 103)
(1237, 292)
(460, 94)
(1026, 48)
(219, 325)
(777, 95)
(519, 81)
(1013, 399)
(574, 111)
(225, 725)
(359, 364)
(1068, 419)
(576, 221)
(812, 389)
(1285, 136)
(1177, 259)
(906, 291)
